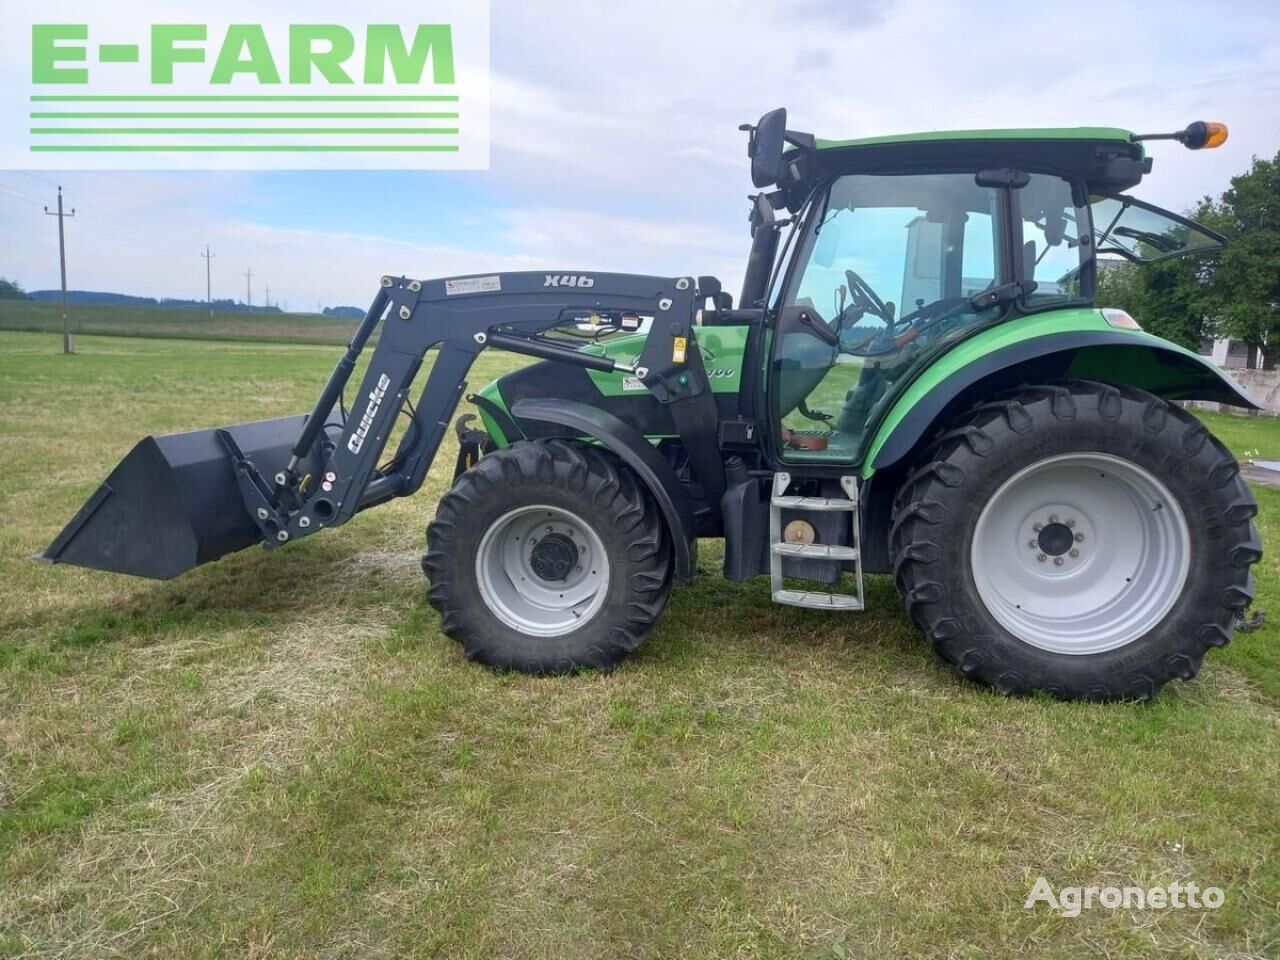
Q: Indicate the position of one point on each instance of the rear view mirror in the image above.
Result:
(824, 250)
(765, 147)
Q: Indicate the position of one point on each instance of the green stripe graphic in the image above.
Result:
(243, 148)
(241, 98)
(397, 107)
(240, 116)
(169, 131)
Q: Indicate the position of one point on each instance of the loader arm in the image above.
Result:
(178, 501)
(457, 318)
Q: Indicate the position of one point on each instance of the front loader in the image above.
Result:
(915, 381)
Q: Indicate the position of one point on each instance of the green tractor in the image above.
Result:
(914, 381)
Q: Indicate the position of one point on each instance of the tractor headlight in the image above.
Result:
(1120, 319)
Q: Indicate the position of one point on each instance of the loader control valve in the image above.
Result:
(553, 556)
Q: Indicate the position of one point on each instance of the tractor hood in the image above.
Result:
(620, 394)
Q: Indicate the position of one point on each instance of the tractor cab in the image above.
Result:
(903, 246)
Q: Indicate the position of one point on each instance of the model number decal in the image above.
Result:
(370, 411)
(568, 280)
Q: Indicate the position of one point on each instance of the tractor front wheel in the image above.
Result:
(1078, 539)
(546, 557)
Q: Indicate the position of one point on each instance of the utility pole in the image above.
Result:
(268, 296)
(248, 288)
(208, 278)
(67, 346)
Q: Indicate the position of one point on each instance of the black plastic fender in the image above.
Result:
(630, 445)
(1108, 356)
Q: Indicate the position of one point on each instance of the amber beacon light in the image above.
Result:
(1197, 136)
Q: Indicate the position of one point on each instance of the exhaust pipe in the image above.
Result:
(174, 503)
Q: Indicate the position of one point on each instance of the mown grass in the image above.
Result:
(280, 755)
(173, 322)
(1249, 437)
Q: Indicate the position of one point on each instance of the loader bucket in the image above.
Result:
(173, 503)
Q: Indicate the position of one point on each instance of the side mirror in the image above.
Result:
(765, 147)
(762, 216)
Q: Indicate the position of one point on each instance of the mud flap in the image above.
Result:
(174, 503)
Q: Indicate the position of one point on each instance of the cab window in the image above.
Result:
(886, 271)
(1055, 250)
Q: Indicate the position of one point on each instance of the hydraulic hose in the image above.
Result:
(338, 380)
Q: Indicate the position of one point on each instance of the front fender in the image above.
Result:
(636, 452)
(1076, 343)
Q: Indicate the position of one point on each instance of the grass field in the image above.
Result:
(173, 323)
(281, 756)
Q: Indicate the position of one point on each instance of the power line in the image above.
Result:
(36, 176)
(6, 188)
(111, 230)
(110, 222)
(67, 346)
(208, 278)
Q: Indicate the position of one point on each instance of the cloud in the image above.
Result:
(615, 141)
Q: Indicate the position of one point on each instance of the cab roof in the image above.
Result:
(1109, 159)
(1002, 135)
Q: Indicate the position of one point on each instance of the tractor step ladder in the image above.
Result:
(780, 550)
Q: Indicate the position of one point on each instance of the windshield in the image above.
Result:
(887, 269)
(1145, 234)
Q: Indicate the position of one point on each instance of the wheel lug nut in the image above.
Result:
(1071, 522)
(1053, 518)
(1079, 538)
(1032, 544)
(1041, 557)
(1074, 554)
(1037, 527)
(1057, 561)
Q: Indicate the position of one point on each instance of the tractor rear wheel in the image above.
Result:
(548, 556)
(1078, 539)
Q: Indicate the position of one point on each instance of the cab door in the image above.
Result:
(886, 271)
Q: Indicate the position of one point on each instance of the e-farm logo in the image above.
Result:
(308, 88)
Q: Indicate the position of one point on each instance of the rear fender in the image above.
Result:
(636, 452)
(1080, 345)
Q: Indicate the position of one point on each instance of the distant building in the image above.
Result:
(1230, 354)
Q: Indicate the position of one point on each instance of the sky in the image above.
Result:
(615, 143)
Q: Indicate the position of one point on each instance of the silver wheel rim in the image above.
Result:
(1080, 553)
(507, 571)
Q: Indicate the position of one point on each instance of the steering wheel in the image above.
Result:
(866, 297)
(916, 326)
